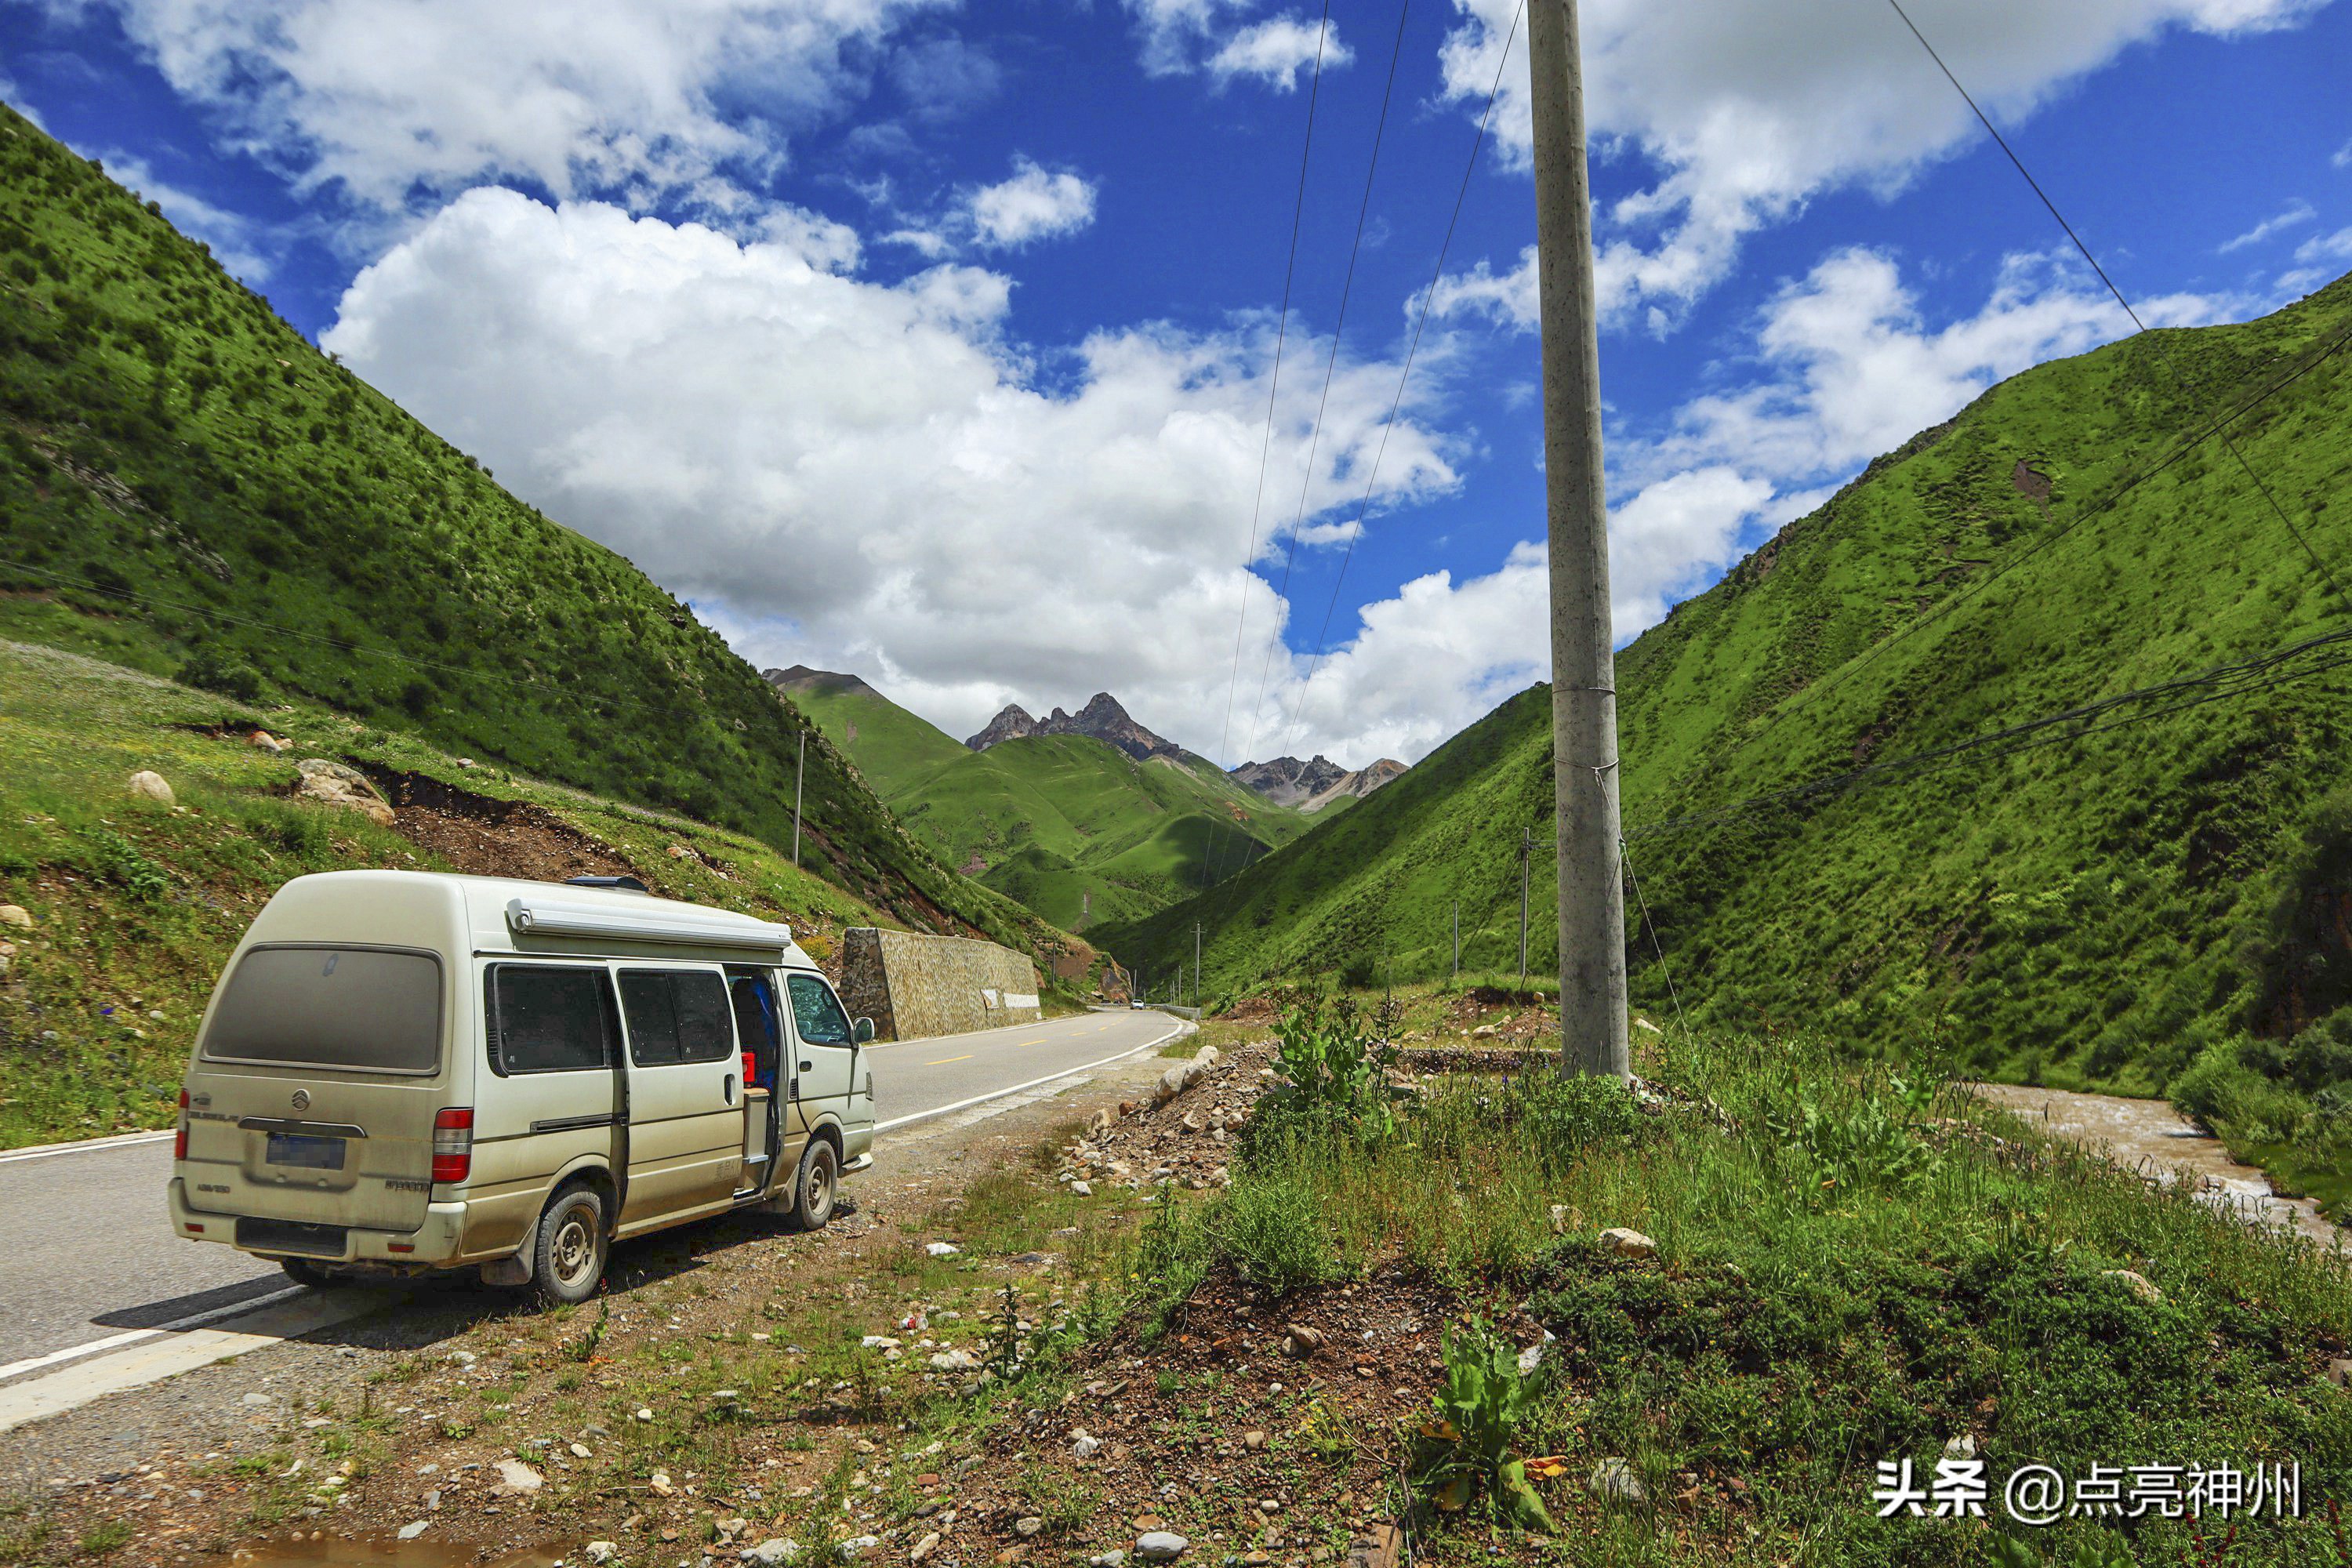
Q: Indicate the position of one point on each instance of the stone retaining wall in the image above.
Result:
(913, 986)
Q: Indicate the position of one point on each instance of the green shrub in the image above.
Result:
(1270, 1227)
(2240, 1104)
(1333, 1076)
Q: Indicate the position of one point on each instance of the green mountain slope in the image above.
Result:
(1072, 827)
(188, 488)
(2093, 911)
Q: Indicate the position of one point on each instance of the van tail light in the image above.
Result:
(453, 1143)
(180, 1135)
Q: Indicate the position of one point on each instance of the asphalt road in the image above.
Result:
(87, 1253)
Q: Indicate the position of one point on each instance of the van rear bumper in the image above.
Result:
(436, 1241)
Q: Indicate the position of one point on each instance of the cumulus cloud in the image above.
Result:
(385, 100)
(1035, 203)
(1182, 35)
(1736, 124)
(2318, 260)
(869, 476)
(1274, 51)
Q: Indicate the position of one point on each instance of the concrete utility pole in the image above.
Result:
(800, 772)
(1583, 667)
(1457, 939)
(1196, 964)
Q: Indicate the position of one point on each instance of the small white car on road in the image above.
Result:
(405, 1071)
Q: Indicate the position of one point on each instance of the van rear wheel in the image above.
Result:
(569, 1261)
(818, 1185)
(306, 1273)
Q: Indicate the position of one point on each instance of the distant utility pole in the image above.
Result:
(1584, 670)
(1526, 852)
(800, 772)
(1457, 938)
(1196, 964)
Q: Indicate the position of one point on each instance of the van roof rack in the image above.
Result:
(617, 884)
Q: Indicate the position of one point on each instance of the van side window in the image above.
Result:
(676, 1016)
(816, 1013)
(543, 1018)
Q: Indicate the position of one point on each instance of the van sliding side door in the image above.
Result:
(685, 1093)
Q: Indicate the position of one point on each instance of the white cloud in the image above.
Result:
(1182, 35)
(2337, 246)
(1275, 51)
(2294, 215)
(1035, 203)
(2319, 260)
(870, 477)
(386, 99)
(1736, 124)
(2342, 158)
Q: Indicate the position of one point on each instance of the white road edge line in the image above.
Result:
(967, 1034)
(882, 1127)
(114, 1341)
(49, 1151)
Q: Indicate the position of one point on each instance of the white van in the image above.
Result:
(402, 1072)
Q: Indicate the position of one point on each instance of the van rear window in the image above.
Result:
(359, 1007)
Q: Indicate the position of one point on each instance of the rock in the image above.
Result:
(339, 784)
(1532, 1357)
(1613, 1477)
(1027, 1527)
(1082, 1189)
(1253, 1441)
(769, 1553)
(1112, 1559)
(954, 1361)
(1161, 1546)
(878, 1343)
(644, 1415)
(1963, 1446)
(943, 1248)
(1559, 1220)
(856, 1547)
(1626, 1243)
(599, 1553)
(1642, 1022)
(2138, 1284)
(411, 1531)
(2339, 1372)
(1303, 1340)
(16, 915)
(514, 1475)
(1084, 1443)
(583, 1451)
(658, 1483)
(460, 1358)
(263, 741)
(1484, 1032)
(148, 785)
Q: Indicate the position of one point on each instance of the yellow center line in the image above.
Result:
(944, 1060)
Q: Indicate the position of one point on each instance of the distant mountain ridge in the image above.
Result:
(1311, 785)
(1102, 719)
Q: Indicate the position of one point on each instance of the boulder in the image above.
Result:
(2138, 1284)
(1161, 1546)
(339, 784)
(149, 785)
(1628, 1243)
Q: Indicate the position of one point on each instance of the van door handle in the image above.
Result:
(730, 1089)
(808, 1067)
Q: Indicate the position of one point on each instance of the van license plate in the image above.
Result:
(309, 1153)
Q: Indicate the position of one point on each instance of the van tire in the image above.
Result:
(568, 1257)
(816, 1185)
(305, 1273)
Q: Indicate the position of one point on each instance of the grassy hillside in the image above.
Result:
(135, 904)
(188, 488)
(2093, 912)
(1070, 827)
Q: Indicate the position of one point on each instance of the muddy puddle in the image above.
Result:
(330, 1550)
(2149, 1135)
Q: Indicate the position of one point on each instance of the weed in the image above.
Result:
(1466, 1450)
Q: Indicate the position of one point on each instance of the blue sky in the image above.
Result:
(935, 341)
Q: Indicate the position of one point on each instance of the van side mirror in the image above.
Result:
(862, 1030)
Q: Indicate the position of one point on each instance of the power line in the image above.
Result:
(1330, 364)
(1356, 528)
(2107, 503)
(1274, 384)
(2140, 326)
(2245, 678)
(1265, 447)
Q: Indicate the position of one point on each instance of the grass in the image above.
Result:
(189, 488)
(1850, 1268)
(2094, 914)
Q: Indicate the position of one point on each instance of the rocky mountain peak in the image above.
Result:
(1102, 718)
(1313, 784)
(1009, 725)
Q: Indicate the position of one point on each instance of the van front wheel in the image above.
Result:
(818, 1185)
(569, 1258)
